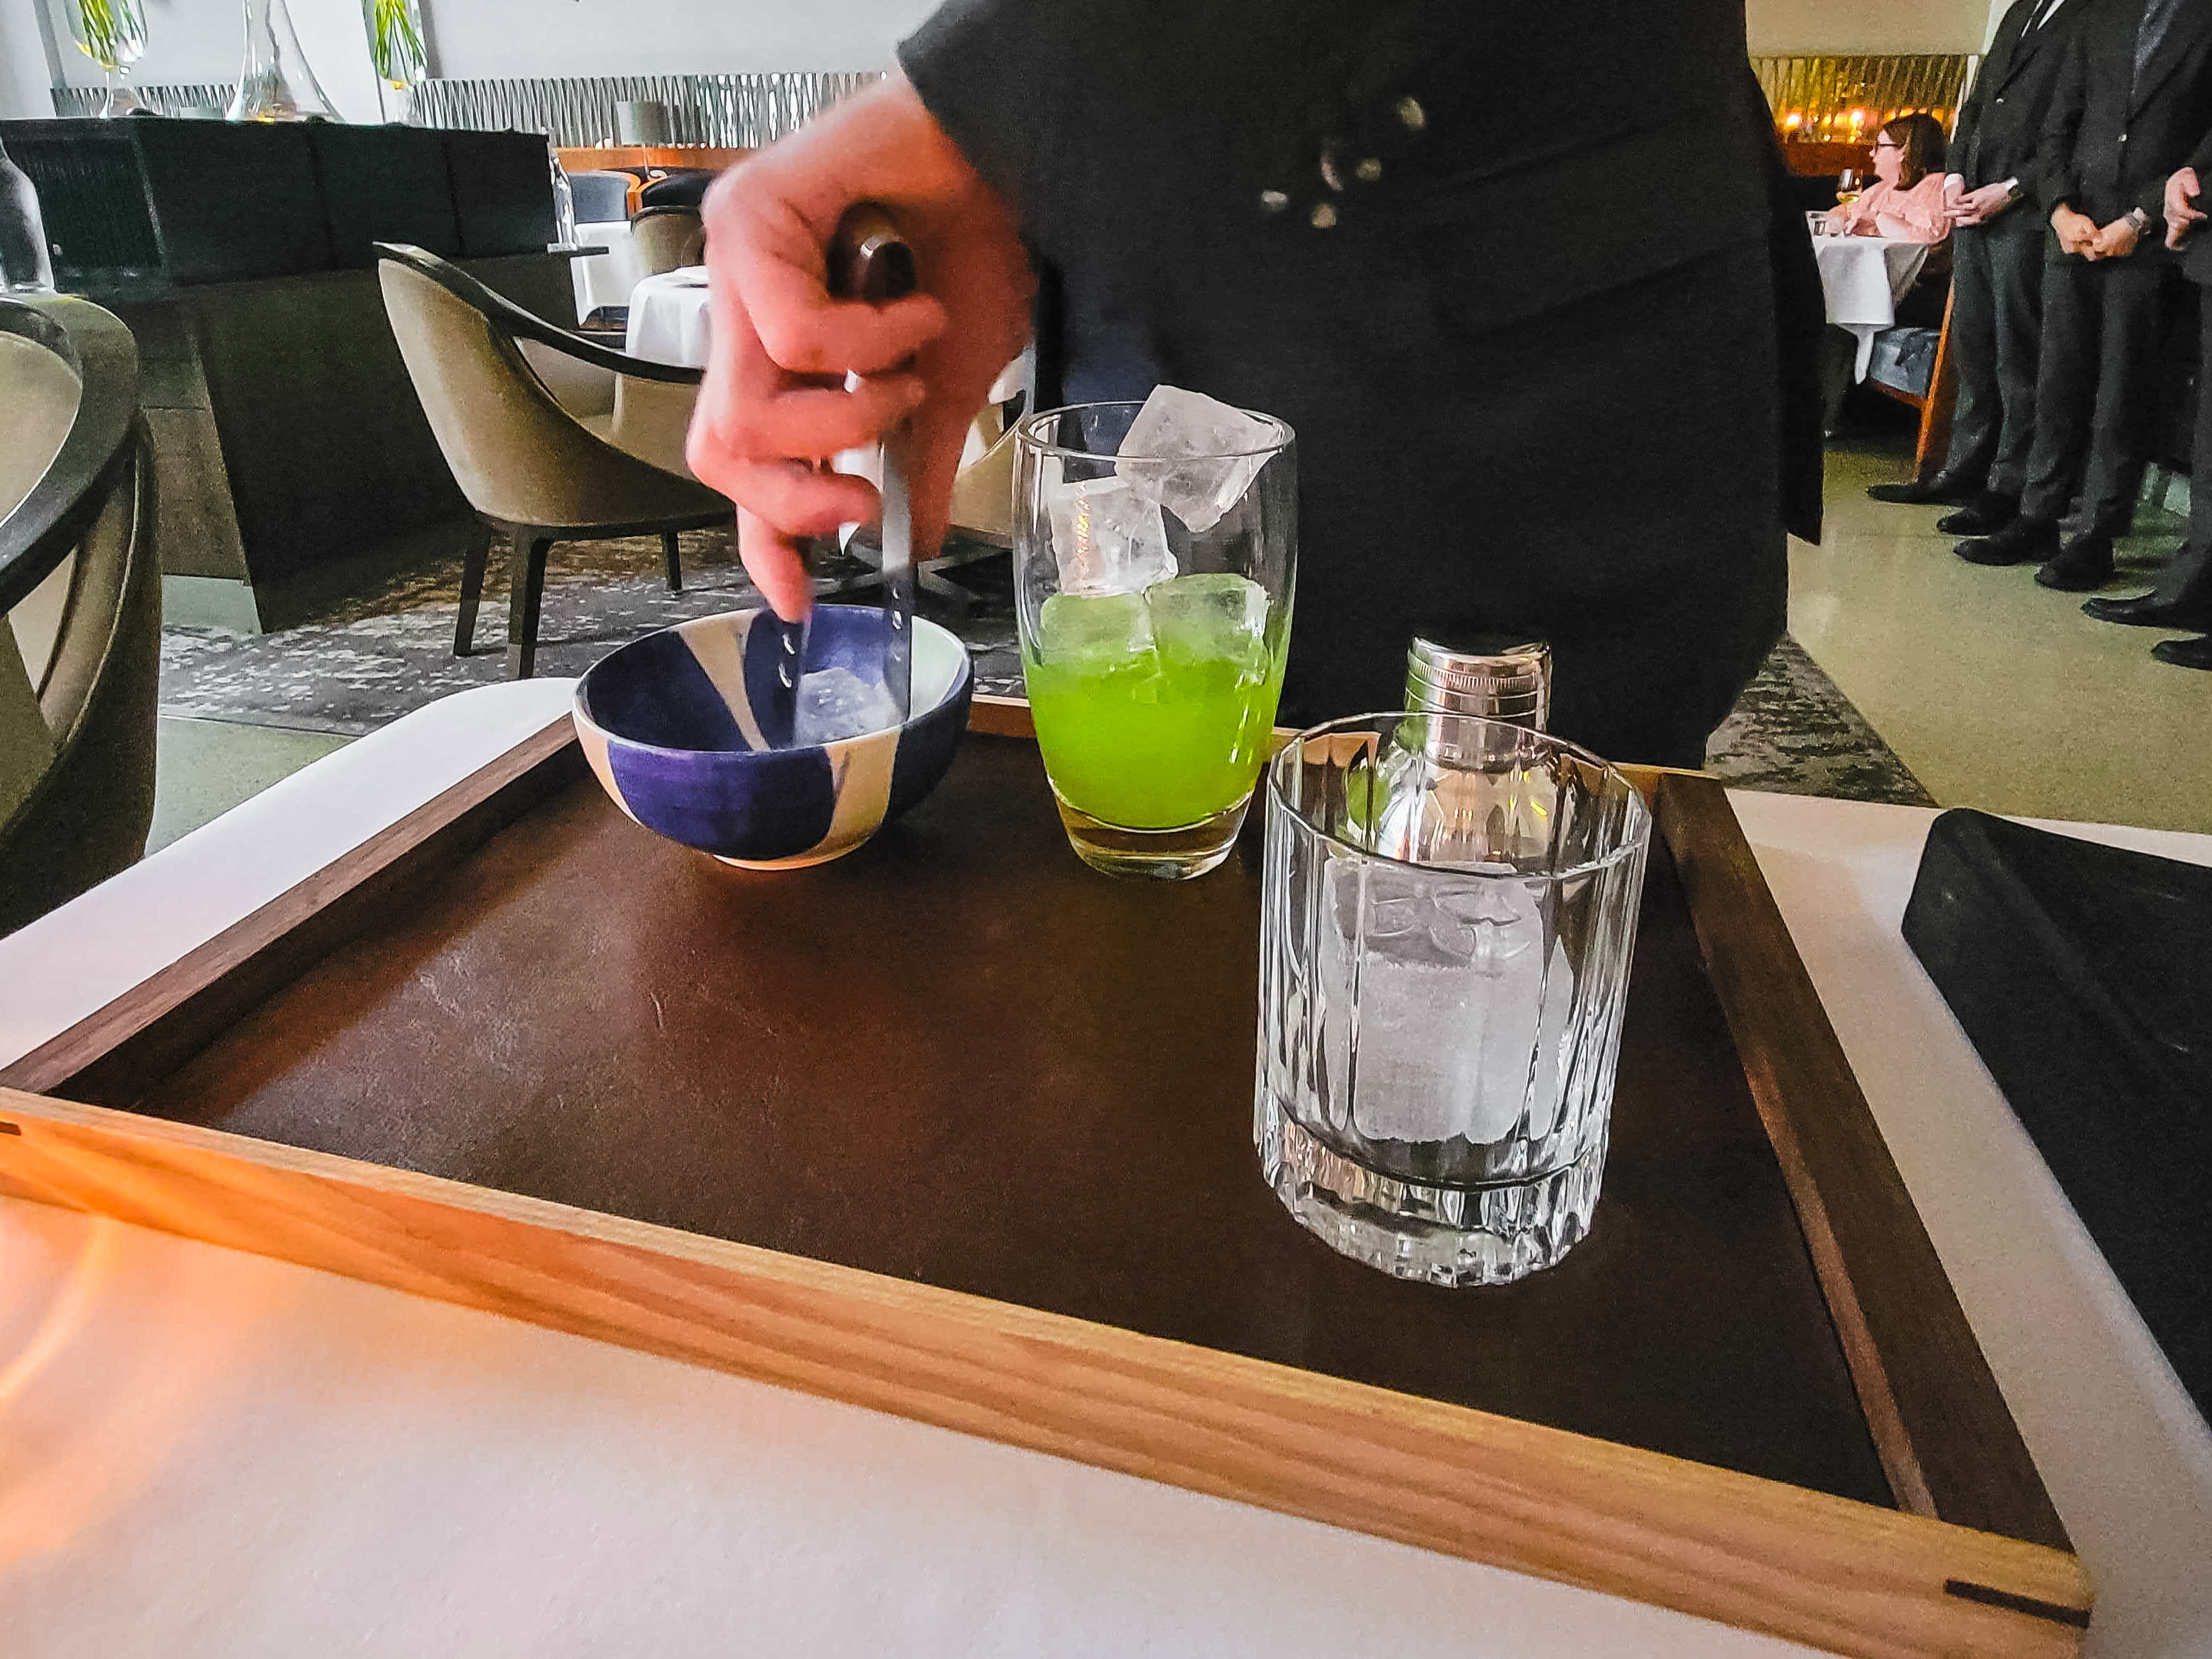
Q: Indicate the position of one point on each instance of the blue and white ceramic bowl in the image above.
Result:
(667, 724)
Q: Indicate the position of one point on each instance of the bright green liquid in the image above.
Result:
(1157, 738)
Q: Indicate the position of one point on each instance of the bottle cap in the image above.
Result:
(1497, 677)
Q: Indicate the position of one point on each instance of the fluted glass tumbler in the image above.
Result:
(1155, 556)
(1449, 908)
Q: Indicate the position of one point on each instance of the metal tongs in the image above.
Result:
(868, 261)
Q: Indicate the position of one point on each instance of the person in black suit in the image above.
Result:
(1996, 274)
(1399, 225)
(2132, 100)
(2183, 597)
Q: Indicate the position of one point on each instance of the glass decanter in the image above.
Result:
(274, 82)
(25, 266)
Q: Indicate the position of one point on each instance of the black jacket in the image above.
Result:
(2110, 142)
(1524, 279)
(2001, 123)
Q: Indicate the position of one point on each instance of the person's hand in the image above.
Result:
(2181, 211)
(774, 406)
(2115, 241)
(2077, 232)
(1973, 207)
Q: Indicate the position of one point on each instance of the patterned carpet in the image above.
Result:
(370, 660)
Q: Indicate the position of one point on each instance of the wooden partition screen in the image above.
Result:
(1828, 109)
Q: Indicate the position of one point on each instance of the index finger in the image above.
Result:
(772, 560)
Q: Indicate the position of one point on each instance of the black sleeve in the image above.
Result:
(2010, 32)
(1000, 76)
(1969, 117)
(1800, 319)
(2152, 199)
(2052, 177)
(1962, 139)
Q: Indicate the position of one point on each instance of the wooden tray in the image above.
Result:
(956, 1129)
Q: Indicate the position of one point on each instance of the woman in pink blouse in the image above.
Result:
(1906, 205)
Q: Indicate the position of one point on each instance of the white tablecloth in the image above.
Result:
(206, 1453)
(605, 279)
(669, 321)
(1864, 278)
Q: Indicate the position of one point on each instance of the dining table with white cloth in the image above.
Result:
(606, 280)
(670, 321)
(204, 1452)
(669, 318)
(1862, 278)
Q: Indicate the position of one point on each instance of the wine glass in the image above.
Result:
(1848, 183)
(112, 34)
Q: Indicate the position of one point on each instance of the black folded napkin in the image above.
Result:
(2083, 974)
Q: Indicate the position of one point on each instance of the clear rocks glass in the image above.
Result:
(1449, 908)
(1155, 554)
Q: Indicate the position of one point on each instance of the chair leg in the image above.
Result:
(526, 588)
(675, 569)
(472, 576)
(926, 580)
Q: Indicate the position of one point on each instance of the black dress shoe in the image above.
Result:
(2184, 654)
(2083, 563)
(2024, 541)
(1941, 488)
(1985, 516)
(2148, 610)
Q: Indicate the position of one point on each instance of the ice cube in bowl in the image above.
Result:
(836, 703)
(668, 725)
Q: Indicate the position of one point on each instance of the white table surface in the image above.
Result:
(669, 322)
(608, 278)
(208, 1453)
(1863, 278)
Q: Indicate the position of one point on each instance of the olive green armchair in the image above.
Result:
(550, 436)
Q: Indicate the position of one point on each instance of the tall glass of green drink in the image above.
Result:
(1155, 550)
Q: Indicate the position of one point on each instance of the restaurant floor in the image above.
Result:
(1995, 692)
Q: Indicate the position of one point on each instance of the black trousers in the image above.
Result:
(1997, 337)
(2096, 388)
(2187, 578)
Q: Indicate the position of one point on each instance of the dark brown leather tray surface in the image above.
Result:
(958, 1056)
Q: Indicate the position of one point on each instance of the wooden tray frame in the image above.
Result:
(1974, 1561)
